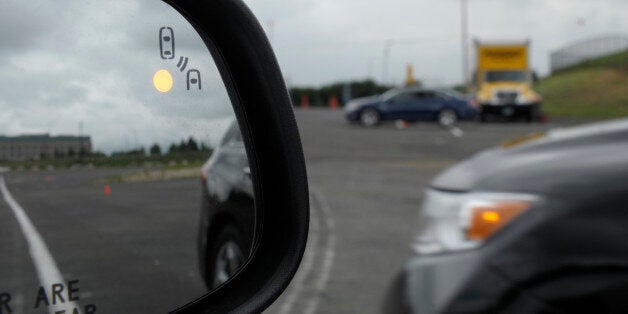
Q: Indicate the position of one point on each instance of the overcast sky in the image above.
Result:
(93, 63)
(322, 41)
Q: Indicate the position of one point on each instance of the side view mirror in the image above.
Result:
(149, 160)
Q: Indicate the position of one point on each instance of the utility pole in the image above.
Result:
(136, 145)
(387, 45)
(81, 151)
(465, 42)
(369, 68)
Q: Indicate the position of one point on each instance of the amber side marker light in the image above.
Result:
(486, 219)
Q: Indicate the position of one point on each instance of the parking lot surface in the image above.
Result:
(366, 189)
(133, 241)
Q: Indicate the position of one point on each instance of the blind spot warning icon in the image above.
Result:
(166, 42)
(193, 79)
(183, 62)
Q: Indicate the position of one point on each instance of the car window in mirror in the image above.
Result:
(118, 193)
(402, 97)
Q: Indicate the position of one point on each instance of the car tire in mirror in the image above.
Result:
(226, 257)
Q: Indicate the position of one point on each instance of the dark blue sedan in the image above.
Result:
(412, 104)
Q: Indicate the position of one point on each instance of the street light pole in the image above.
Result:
(81, 152)
(465, 41)
(387, 46)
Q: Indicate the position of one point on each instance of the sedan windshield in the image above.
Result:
(390, 94)
(451, 93)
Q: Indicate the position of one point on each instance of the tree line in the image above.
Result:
(344, 91)
(183, 147)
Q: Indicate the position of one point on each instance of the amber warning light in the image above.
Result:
(162, 81)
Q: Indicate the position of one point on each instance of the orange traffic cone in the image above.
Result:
(107, 190)
(333, 102)
(402, 124)
(305, 101)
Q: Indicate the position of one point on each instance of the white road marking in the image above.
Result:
(306, 268)
(456, 131)
(46, 266)
(329, 253)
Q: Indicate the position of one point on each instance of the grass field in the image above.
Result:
(172, 161)
(594, 88)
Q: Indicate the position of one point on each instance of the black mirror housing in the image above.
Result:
(263, 109)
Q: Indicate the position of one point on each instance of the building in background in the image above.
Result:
(43, 146)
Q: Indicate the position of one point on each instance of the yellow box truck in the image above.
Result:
(503, 81)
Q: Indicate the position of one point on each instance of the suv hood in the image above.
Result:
(562, 161)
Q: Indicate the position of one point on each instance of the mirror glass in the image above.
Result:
(125, 185)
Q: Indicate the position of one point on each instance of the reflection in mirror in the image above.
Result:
(109, 115)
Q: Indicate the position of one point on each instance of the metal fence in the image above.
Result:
(587, 49)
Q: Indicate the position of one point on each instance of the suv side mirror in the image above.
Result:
(263, 109)
(117, 192)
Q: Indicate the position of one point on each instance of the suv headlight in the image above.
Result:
(460, 221)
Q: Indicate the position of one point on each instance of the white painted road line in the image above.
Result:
(297, 285)
(46, 267)
(456, 131)
(329, 254)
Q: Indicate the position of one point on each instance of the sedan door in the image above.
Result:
(402, 106)
(426, 105)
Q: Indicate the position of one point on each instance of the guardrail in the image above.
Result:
(587, 49)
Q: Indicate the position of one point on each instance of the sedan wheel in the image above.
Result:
(447, 118)
(369, 117)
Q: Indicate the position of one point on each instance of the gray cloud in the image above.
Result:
(93, 63)
(328, 40)
(65, 62)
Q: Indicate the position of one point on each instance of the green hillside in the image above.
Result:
(597, 88)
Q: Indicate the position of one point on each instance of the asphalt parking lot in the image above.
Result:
(130, 251)
(134, 250)
(366, 188)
